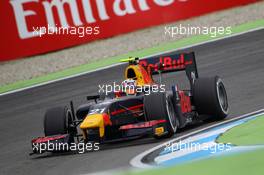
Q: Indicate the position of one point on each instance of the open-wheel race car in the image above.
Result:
(130, 114)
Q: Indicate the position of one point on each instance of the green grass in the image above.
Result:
(249, 133)
(113, 60)
(236, 164)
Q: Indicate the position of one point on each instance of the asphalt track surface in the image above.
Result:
(238, 60)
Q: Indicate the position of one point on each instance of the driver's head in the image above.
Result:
(129, 86)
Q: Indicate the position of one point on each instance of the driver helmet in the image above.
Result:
(129, 86)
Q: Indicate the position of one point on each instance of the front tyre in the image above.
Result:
(58, 121)
(159, 106)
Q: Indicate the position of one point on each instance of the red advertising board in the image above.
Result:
(31, 27)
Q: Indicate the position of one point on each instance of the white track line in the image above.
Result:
(107, 67)
(136, 161)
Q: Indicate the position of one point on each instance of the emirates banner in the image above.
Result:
(31, 27)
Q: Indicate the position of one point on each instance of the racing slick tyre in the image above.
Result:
(210, 97)
(57, 121)
(159, 106)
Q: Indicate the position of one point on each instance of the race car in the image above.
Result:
(130, 113)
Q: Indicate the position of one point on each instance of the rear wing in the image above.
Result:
(172, 63)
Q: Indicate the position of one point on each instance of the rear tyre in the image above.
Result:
(159, 106)
(210, 97)
(57, 121)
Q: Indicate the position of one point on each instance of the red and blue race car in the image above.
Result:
(142, 109)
